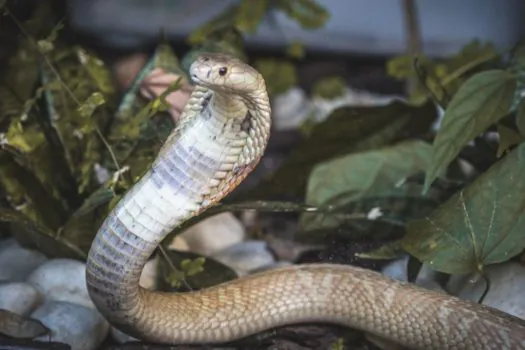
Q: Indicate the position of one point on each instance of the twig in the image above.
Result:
(413, 36)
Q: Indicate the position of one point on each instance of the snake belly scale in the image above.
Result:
(220, 138)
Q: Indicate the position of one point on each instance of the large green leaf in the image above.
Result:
(480, 102)
(36, 235)
(517, 67)
(346, 130)
(372, 173)
(480, 225)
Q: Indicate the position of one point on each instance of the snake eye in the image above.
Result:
(205, 59)
(223, 71)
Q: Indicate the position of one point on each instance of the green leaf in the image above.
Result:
(480, 102)
(101, 196)
(364, 174)
(296, 50)
(308, 13)
(249, 14)
(280, 75)
(370, 216)
(520, 117)
(346, 130)
(517, 67)
(480, 225)
(87, 108)
(193, 266)
(388, 251)
(329, 87)
(220, 22)
(507, 138)
(186, 271)
(36, 235)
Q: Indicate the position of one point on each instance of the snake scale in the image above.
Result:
(220, 138)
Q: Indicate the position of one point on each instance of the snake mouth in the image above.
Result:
(196, 79)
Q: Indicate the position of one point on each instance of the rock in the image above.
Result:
(275, 265)
(148, 277)
(426, 278)
(507, 282)
(246, 257)
(81, 327)
(62, 280)
(290, 109)
(16, 262)
(396, 269)
(19, 297)
(211, 235)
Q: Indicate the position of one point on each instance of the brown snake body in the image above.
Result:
(220, 138)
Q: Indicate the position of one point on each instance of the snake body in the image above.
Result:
(220, 138)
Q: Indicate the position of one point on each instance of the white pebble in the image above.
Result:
(62, 280)
(16, 263)
(18, 297)
(211, 235)
(507, 282)
(246, 257)
(81, 327)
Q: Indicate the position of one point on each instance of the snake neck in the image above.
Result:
(219, 141)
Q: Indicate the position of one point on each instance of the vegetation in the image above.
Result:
(72, 147)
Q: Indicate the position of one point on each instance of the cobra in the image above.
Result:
(219, 139)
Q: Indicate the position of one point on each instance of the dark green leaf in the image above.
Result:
(37, 236)
(249, 14)
(101, 196)
(480, 225)
(520, 117)
(308, 13)
(280, 75)
(346, 130)
(517, 67)
(87, 108)
(388, 251)
(480, 102)
(507, 138)
(185, 267)
(373, 173)
(220, 22)
(329, 87)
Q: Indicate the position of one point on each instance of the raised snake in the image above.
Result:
(219, 139)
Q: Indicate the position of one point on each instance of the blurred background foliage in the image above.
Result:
(72, 145)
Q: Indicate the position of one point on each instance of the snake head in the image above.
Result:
(220, 72)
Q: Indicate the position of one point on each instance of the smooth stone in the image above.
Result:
(16, 262)
(246, 257)
(81, 327)
(396, 269)
(277, 265)
(507, 283)
(290, 109)
(62, 280)
(19, 297)
(148, 277)
(212, 235)
(426, 277)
